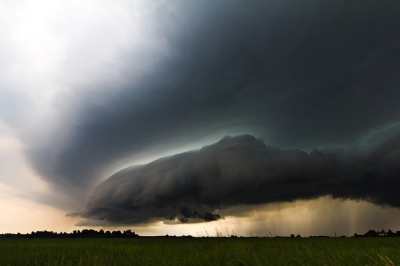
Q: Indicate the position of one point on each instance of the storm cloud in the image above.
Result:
(319, 73)
(242, 170)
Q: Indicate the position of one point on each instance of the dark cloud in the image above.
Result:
(299, 74)
(242, 171)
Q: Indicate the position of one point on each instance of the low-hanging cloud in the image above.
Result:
(314, 73)
(242, 170)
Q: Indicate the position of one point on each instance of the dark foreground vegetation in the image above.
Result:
(181, 251)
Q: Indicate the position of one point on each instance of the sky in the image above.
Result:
(200, 117)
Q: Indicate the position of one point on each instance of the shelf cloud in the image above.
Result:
(242, 170)
(298, 75)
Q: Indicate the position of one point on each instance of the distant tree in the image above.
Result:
(86, 233)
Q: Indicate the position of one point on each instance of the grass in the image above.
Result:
(201, 252)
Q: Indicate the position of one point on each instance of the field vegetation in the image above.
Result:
(200, 251)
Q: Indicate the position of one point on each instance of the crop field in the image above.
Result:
(201, 251)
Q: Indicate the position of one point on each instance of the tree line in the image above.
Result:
(90, 233)
(86, 233)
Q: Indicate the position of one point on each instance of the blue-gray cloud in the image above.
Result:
(242, 171)
(310, 74)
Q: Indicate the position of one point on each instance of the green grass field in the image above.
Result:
(204, 252)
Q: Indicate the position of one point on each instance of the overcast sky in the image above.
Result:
(93, 92)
